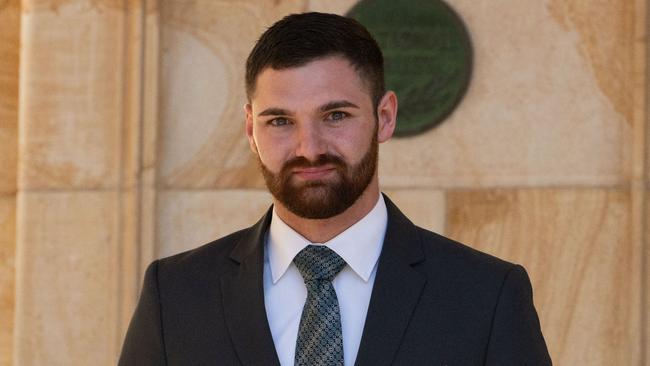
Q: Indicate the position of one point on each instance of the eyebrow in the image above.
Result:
(337, 104)
(273, 111)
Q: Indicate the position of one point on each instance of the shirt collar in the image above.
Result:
(359, 245)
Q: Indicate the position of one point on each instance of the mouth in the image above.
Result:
(313, 173)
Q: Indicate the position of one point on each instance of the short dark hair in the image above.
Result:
(298, 39)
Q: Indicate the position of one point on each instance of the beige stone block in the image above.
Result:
(67, 299)
(425, 207)
(332, 6)
(71, 5)
(9, 64)
(645, 291)
(71, 94)
(576, 245)
(188, 219)
(611, 54)
(547, 103)
(205, 45)
(7, 276)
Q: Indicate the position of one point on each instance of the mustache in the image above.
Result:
(302, 162)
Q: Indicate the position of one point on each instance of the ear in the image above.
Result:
(248, 110)
(386, 116)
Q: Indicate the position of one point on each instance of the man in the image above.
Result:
(334, 273)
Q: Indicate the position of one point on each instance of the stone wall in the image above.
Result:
(9, 59)
(126, 143)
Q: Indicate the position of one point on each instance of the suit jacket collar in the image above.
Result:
(243, 299)
(395, 294)
(396, 291)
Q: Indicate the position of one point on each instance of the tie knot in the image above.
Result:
(318, 262)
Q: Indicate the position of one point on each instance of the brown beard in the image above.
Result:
(321, 199)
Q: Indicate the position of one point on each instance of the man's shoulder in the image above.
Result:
(437, 256)
(213, 256)
(441, 247)
(438, 251)
(461, 267)
(220, 255)
(444, 262)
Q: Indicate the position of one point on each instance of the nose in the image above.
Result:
(311, 143)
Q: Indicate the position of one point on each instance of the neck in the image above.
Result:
(323, 230)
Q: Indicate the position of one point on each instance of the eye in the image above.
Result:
(337, 116)
(278, 122)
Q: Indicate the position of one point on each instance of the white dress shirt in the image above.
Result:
(285, 292)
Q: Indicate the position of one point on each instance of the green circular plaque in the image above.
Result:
(428, 57)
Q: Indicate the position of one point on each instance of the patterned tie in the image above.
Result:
(320, 342)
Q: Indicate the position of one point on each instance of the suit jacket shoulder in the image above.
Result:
(191, 305)
(464, 307)
(213, 256)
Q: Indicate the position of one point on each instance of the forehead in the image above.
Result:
(330, 78)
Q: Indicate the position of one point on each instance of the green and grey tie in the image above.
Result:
(320, 341)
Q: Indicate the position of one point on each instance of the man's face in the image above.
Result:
(315, 134)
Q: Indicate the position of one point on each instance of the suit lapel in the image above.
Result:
(396, 291)
(395, 295)
(243, 300)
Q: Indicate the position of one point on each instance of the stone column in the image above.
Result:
(9, 41)
(80, 188)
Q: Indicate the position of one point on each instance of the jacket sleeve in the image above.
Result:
(144, 343)
(516, 337)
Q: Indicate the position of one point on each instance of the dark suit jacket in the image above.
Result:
(434, 302)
